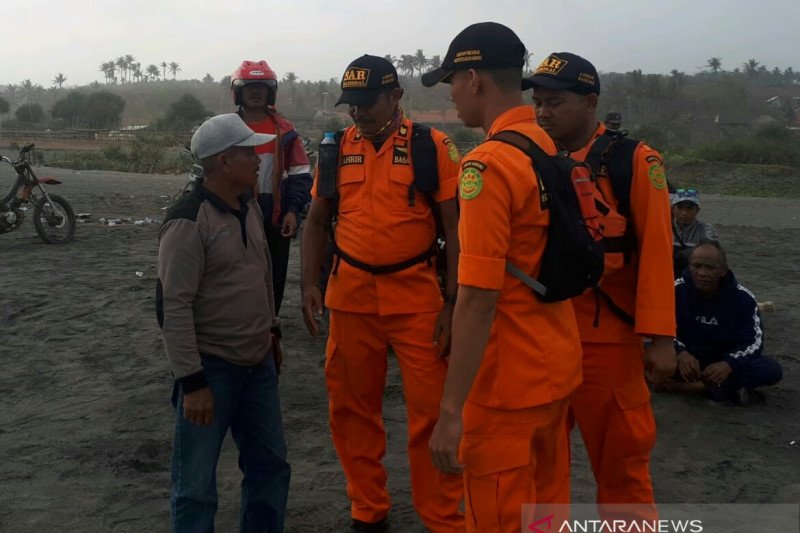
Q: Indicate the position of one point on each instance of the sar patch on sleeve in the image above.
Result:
(657, 176)
(471, 182)
(452, 150)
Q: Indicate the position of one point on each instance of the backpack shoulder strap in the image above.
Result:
(612, 154)
(539, 159)
(424, 160)
(521, 142)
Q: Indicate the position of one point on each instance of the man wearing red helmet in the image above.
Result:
(284, 181)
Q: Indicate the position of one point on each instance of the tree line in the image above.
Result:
(663, 101)
(126, 69)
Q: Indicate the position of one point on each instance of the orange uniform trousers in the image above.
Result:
(355, 371)
(511, 458)
(612, 410)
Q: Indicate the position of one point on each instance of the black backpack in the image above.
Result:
(574, 258)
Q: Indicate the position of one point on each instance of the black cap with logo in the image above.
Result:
(485, 45)
(365, 78)
(562, 71)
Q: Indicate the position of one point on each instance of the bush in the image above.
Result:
(147, 155)
(756, 151)
(4, 107)
(32, 113)
(183, 114)
(99, 110)
(103, 110)
(775, 133)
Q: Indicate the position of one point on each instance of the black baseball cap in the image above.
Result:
(365, 78)
(485, 45)
(562, 71)
(613, 116)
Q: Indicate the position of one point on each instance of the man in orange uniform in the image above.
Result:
(612, 405)
(514, 360)
(383, 292)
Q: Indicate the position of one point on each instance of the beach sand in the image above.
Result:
(86, 423)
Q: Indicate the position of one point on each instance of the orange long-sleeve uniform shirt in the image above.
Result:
(644, 287)
(533, 353)
(514, 445)
(376, 224)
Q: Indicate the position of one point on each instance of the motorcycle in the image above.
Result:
(53, 217)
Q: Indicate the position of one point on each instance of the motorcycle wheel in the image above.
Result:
(55, 223)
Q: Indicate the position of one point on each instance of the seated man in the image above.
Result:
(720, 336)
(687, 229)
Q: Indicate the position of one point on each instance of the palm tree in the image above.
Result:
(152, 72)
(107, 68)
(59, 80)
(391, 59)
(715, 64)
(130, 61)
(27, 88)
(750, 67)
(164, 68)
(435, 61)
(122, 66)
(291, 79)
(406, 64)
(174, 68)
(420, 61)
(137, 71)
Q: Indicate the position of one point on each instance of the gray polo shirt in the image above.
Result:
(214, 292)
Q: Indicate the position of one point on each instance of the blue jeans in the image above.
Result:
(246, 401)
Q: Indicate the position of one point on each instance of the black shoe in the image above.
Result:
(374, 527)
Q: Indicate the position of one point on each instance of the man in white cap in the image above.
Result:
(215, 306)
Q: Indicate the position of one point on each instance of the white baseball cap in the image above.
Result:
(222, 132)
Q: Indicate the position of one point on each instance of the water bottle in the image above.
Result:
(328, 166)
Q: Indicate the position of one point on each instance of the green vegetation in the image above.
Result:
(733, 117)
(98, 110)
(183, 115)
(32, 113)
(146, 155)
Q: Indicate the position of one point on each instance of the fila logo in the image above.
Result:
(355, 78)
(707, 321)
(551, 65)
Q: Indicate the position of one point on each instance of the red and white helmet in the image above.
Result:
(254, 72)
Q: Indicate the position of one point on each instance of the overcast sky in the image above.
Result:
(316, 39)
